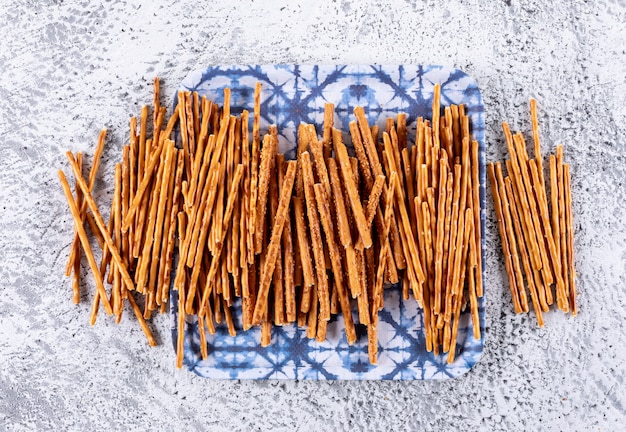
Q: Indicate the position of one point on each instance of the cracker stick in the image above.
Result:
(562, 302)
(100, 222)
(83, 236)
(443, 188)
(274, 244)
(75, 251)
(545, 267)
(329, 111)
(359, 149)
(196, 116)
(503, 237)
(174, 218)
(335, 258)
(477, 219)
(534, 296)
(380, 271)
(305, 253)
(353, 193)
(545, 219)
(569, 227)
(340, 205)
(517, 271)
(521, 189)
(268, 153)
(215, 262)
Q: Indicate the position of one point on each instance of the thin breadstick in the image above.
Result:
(534, 213)
(517, 271)
(569, 226)
(196, 116)
(545, 219)
(562, 302)
(305, 253)
(353, 194)
(125, 197)
(503, 237)
(174, 218)
(317, 245)
(158, 125)
(534, 296)
(329, 111)
(83, 235)
(100, 222)
(268, 153)
(335, 258)
(340, 205)
(273, 248)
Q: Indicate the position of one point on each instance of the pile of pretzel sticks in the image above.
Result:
(541, 237)
(297, 240)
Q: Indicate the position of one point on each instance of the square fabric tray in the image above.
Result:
(292, 94)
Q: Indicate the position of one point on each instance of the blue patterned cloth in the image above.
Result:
(292, 94)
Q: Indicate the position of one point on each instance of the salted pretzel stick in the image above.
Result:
(380, 271)
(537, 142)
(409, 182)
(289, 288)
(523, 163)
(317, 245)
(174, 218)
(311, 324)
(441, 211)
(545, 219)
(317, 151)
(190, 124)
(329, 112)
(374, 199)
(534, 296)
(370, 146)
(268, 153)
(273, 248)
(503, 237)
(245, 204)
(561, 302)
(343, 225)
(116, 293)
(202, 154)
(452, 238)
(215, 262)
(335, 258)
(142, 142)
(569, 226)
(554, 204)
(125, 197)
(75, 250)
(83, 236)
(477, 220)
(353, 194)
(162, 259)
(277, 279)
(517, 271)
(359, 149)
(100, 222)
(93, 172)
(180, 340)
(305, 254)
(254, 172)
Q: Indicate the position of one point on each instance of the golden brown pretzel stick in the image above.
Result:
(520, 147)
(162, 259)
(268, 153)
(126, 252)
(202, 154)
(374, 198)
(274, 244)
(245, 205)
(305, 254)
(335, 258)
(441, 202)
(254, 172)
(75, 249)
(278, 312)
(452, 238)
(93, 172)
(545, 219)
(311, 324)
(409, 182)
(517, 271)
(554, 203)
(353, 193)
(216, 260)
(562, 302)
(436, 114)
(329, 112)
(569, 225)
(100, 222)
(534, 296)
(158, 125)
(340, 205)
(376, 300)
(359, 149)
(537, 142)
(503, 237)
(142, 143)
(288, 257)
(174, 218)
(316, 237)
(477, 220)
(84, 239)
(116, 293)
(180, 340)
(317, 151)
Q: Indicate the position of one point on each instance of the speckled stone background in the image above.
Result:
(69, 68)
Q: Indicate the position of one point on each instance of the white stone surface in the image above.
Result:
(69, 68)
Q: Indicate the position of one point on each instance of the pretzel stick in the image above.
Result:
(329, 111)
(158, 125)
(180, 340)
(534, 213)
(335, 258)
(311, 324)
(545, 219)
(503, 237)
(569, 226)
(374, 199)
(353, 194)
(305, 254)
(267, 161)
(380, 271)
(167, 225)
(517, 271)
(202, 154)
(562, 302)
(554, 204)
(75, 250)
(317, 151)
(116, 293)
(142, 142)
(215, 262)
(83, 235)
(524, 252)
(409, 183)
(316, 237)
(279, 289)
(443, 188)
(477, 220)
(100, 222)
(359, 149)
(254, 172)
(340, 205)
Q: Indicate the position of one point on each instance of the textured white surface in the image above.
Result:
(69, 68)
